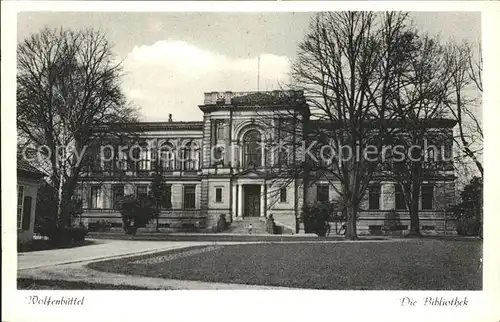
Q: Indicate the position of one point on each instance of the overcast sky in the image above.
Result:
(171, 59)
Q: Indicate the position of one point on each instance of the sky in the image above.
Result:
(171, 59)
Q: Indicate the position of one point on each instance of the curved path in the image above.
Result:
(70, 264)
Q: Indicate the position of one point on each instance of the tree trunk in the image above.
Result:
(351, 232)
(157, 218)
(414, 213)
(60, 210)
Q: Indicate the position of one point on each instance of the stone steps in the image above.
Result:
(241, 227)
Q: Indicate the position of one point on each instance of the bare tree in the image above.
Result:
(68, 92)
(424, 134)
(347, 66)
(465, 99)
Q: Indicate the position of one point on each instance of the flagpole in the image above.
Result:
(258, 73)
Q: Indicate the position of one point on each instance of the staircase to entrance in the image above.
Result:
(241, 227)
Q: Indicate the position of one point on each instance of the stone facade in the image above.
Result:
(230, 176)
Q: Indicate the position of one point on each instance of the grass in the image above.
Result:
(32, 284)
(425, 264)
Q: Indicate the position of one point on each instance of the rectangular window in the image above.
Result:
(283, 157)
(189, 196)
(118, 192)
(218, 194)
(374, 197)
(106, 160)
(399, 197)
(283, 195)
(145, 162)
(95, 197)
(20, 201)
(323, 192)
(78, 192)
(189, 155)
(167, 160)
(122, 160)
(427, 197)
(141, 191)
(166, 202)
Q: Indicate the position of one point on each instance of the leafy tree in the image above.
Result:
(46, 206)
(136, 212)
(158, 194)
(469, 212)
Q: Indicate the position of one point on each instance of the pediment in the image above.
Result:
(251, 173)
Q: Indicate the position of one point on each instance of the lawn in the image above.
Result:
(424, 264)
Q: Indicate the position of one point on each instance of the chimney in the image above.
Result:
(169, 118)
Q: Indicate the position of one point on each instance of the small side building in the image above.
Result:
(28, 181)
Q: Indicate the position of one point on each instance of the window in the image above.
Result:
(141, 191)
(118, 192)
(448, 149)
(252, 154)
(107, 163)
(145, 159)
(283, 156)
(189, 156)
(218, 194)
(283, 195)
(166, 202)
(400, 197)
(189, 197)
(20, 201)
(78, 192)
(374, 197)
(430, 154)
(122, 160)
(95, 197)
(427, 197)
(322, 192)
(167, 157)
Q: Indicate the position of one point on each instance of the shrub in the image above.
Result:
(62, 236)
(221, 224)
(78, 234)
(136, 212)
(392, 221)
(316, 216)
(469, 211)
(468, 227)
(270, 224)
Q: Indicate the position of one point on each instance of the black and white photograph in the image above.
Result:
(334, 150)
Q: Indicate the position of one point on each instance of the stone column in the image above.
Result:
(233, 206)
(262, 200)
(240, 201)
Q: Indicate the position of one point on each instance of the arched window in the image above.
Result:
(190, 156)
(167, 157)
(252, 152)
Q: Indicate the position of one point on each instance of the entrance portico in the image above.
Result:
(249, 199)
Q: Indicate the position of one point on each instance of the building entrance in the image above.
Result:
(252, 200)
